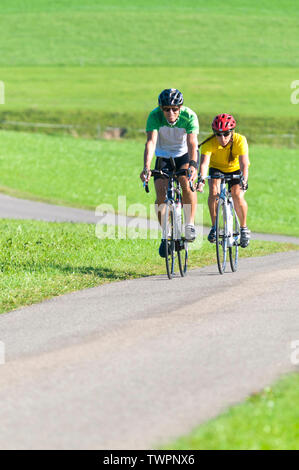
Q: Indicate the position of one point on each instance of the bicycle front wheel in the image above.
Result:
(182, 247)
(170, 242)
(234, 250)
(221, 236)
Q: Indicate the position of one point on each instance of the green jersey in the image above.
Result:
(172, 139)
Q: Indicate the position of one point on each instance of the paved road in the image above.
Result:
(16, 208)
(117, 367)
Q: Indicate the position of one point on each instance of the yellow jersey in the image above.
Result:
(220, 156)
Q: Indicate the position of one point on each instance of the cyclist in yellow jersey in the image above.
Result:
(226, 152)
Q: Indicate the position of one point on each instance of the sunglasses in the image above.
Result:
(167, 109)
(225, 134)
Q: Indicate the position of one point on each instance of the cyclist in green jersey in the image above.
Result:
(172, 131)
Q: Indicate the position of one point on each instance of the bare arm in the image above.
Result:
(203, 170)
(192, 144)
(149, 152)
(244, 165)
(204, 165)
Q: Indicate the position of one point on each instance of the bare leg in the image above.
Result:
(214, 189)
(240, 204)
(161, 189)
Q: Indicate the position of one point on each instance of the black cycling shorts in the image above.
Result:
(166, 163)
(216, 171)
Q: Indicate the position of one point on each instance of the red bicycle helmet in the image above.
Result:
(223, 123)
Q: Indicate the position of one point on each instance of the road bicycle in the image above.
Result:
(176, 247)
(227, 225)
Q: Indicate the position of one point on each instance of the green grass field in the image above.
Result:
(40, 260)
(87, 173)
(266, 421)
(255, 91)
(64, 60)
(259, 98)
(165, 32)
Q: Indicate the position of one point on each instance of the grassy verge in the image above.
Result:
(87, 173)
(40, 260)
(266, 421)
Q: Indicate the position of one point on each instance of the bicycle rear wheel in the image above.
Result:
(234, 250)
(170, 242)
(221, 236)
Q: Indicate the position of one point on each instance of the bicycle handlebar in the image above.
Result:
(224, 177)
(221, 176)
(167, 174)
